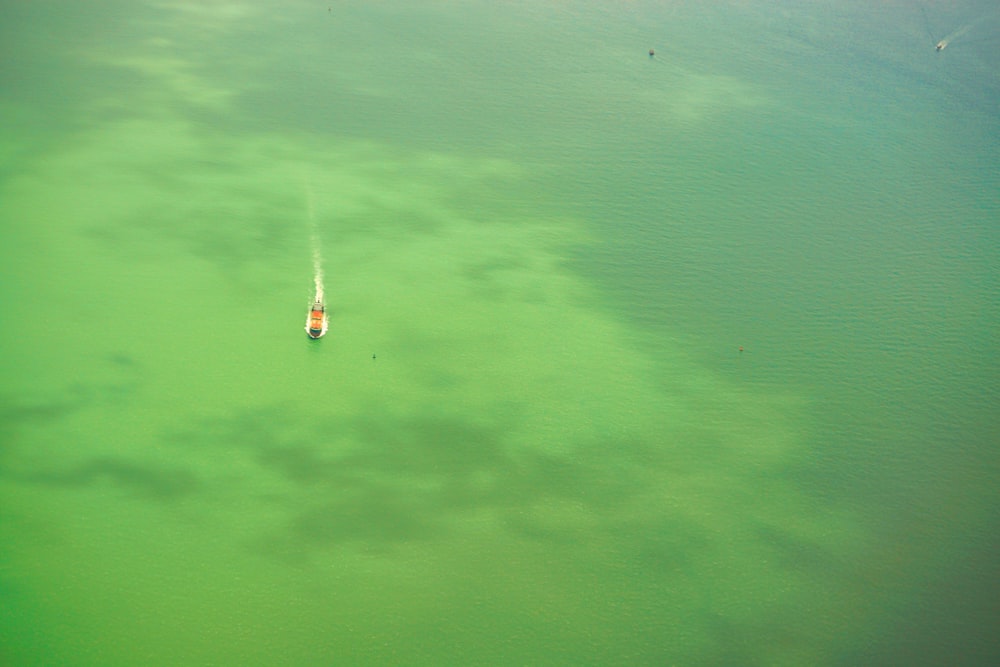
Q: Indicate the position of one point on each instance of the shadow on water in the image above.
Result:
(144, 480)
(17, 413)
(384, 480)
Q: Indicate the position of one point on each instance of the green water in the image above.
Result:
(683, 360)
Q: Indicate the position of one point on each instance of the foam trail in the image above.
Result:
(953, 36)
(317, 268)
(961, 31)
(316, 322)
(314, 239)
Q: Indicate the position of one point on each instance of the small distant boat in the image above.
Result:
(940, 45)
(316, 324)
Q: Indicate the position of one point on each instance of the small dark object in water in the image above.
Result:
(373, 355)
(652, 53)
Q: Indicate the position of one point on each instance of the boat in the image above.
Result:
(316, 323)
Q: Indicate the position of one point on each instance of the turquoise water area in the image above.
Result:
(687, 359)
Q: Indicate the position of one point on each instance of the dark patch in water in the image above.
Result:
(144, 479)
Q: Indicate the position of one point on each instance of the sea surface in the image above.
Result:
(676, 358)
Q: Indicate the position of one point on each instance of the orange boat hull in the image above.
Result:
(316, 324)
